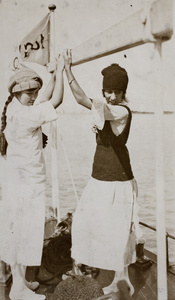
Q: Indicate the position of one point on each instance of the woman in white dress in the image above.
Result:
(23, 202)
(102, 221)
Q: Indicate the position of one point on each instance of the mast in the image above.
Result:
(53, 128)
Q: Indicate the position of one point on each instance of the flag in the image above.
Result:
(35, 47)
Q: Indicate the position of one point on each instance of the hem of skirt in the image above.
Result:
(102, 266)
(13, 262)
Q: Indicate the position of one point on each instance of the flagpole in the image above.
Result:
(54, 131)
(52, 8)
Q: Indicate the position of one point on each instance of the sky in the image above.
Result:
(75, 22)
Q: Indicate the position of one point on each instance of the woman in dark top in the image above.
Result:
(102, 220)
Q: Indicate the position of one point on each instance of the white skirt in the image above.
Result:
(22, 219)
(101, 224)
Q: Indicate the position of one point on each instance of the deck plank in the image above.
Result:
(144, 282)
(171, 286)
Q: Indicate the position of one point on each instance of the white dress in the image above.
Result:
(22, 207)
(102, 219)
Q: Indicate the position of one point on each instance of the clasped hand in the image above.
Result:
(67, 55)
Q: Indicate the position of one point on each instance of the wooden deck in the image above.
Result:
(144, 282)
(143, 277)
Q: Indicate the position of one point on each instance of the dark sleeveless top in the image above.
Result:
(111, 159)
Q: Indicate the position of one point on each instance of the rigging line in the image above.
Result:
(68, 165)
(54, 168)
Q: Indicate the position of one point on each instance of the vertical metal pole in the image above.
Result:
(54, 131)
(160, 210)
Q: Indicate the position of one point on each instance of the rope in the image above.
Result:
(54, 168)
(68, 165)
(54, 132)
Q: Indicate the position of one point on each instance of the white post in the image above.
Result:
(53, 131)
(160, 210)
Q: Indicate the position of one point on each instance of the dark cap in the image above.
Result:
(24, 79)
(115, 77)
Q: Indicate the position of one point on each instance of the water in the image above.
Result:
(79, 143)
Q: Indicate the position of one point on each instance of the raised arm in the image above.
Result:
(57, 95)
(77, 91)
(47, 94)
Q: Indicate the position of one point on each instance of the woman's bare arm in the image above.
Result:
(57, 96)
(77, 91)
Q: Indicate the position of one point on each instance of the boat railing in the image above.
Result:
(167, 236)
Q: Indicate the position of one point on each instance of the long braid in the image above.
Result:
(3, 142)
